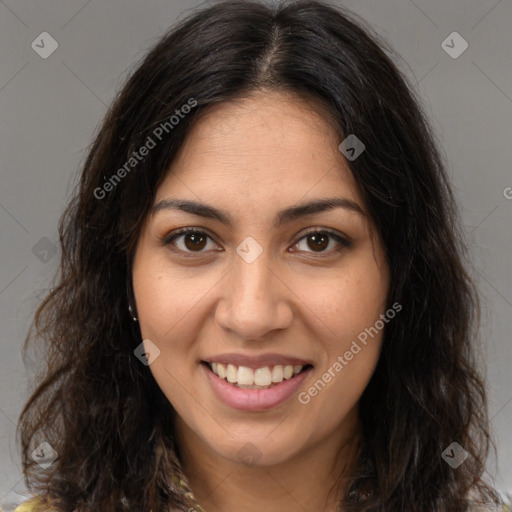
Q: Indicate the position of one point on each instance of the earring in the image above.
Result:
(134, 318)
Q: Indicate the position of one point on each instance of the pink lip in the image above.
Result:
(254, 399)
(260, 361)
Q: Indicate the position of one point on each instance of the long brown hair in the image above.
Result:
(102, 411)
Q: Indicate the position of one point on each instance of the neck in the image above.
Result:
(314, 479)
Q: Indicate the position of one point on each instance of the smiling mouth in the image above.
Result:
(259, 378)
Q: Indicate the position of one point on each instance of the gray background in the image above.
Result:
(50, 108)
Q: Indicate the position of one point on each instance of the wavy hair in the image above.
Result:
(97, 405)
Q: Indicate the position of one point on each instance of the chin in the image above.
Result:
(257, 451)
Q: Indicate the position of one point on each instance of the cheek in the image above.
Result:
(164, 298)
(164, 310)
(348, 313)
(349, 301)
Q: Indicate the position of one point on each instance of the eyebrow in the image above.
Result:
(284, 216)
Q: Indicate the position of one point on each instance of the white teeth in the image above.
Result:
(297, 369)
(245, 376)
(231, 373)
(288, 371)
(221, 370)
(277, 373)
(263, 377)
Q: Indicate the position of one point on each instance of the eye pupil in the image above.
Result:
(320, 240)
(198, 241)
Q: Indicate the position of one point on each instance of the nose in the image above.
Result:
(255, 300)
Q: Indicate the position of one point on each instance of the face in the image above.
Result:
(261, 283)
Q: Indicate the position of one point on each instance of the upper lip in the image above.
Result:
(259, 361)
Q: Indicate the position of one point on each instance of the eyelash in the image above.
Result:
(343, 242)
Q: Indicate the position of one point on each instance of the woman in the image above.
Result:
(262, 302)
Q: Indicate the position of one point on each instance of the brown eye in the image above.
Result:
(194, 241)
(188, 240)
(318, 241)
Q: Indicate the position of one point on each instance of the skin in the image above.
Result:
(252, 158)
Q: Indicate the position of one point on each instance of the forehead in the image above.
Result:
(264, 145)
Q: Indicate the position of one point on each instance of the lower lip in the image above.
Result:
(254, 399)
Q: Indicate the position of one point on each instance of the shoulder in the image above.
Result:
(31, 505)
(26, 506)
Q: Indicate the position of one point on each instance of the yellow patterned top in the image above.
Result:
(26, 506)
